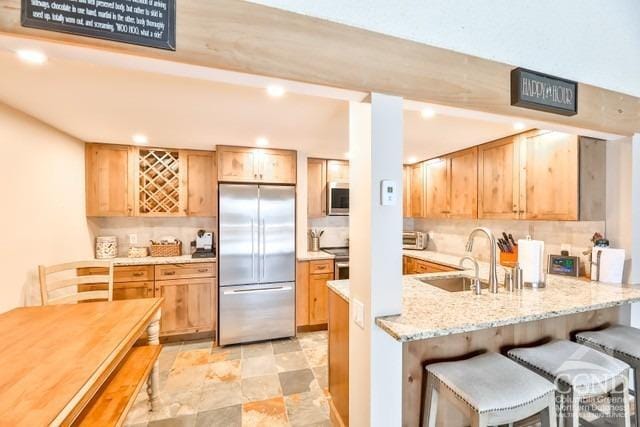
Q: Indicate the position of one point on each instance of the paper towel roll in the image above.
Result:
(531, 259)
(611, 265)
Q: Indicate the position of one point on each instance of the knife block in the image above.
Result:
(509, 259)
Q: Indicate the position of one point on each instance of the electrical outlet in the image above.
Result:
(358, 313)
(133, 239)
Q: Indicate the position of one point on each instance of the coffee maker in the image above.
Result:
(205, 245)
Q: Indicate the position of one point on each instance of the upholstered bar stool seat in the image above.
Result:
(490, 389)
(621, 342)
(578, 371)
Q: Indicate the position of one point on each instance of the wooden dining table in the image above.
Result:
(54, 359)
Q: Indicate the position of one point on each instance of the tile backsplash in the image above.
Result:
(336, 230)
(184, 229)
(450, 236)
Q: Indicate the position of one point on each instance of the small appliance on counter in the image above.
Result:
(530, 259)
(205, 245)
(416, 240)
(564, 265)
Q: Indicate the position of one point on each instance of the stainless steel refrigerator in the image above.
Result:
(257, 262)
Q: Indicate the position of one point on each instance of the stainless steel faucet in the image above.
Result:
(475, 283)
(493, 262)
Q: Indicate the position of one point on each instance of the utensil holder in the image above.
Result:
(315, 244)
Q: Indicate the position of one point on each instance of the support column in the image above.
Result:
(634, 276)
(375, 273)
(302, 242)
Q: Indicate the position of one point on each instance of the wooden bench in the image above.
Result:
(110, 405)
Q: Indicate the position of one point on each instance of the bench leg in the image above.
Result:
(153, 383)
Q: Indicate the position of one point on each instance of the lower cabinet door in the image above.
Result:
(188, 305)
(318, 298)
(132, 290)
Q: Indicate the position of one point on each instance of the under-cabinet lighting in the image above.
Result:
(262, 142)
(412, 159)
(31, 56)
(519, 126)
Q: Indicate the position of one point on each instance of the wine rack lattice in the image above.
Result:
(159, 189)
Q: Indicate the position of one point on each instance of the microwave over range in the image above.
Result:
(337, 198)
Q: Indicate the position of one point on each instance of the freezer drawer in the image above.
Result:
(257, 312)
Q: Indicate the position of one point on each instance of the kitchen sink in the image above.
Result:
(451, 284)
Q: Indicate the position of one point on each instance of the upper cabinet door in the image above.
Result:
(338, 171)
(201, 182)
(498, 179)
(406, 191)
(463, 184)
(237, 164)
(437, 177)
(277, 166)
(549, 176)
(316, 188)
(417, 190)
(109, 183)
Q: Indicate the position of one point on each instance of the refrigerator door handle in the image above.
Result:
(253, 254)
(257, 291)
(264, 247)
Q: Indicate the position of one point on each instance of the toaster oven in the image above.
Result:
(414, 240)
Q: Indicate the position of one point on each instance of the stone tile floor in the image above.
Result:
(275, 383)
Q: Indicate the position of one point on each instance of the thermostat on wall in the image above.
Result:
(388, 192)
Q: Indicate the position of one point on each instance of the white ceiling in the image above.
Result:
(109, 103)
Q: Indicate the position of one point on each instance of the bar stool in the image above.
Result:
(490, 389)
(621, 342)
(579, 372)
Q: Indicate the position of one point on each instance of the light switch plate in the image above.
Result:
(358, 313)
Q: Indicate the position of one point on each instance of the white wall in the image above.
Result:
(42, 220)
(591, 41)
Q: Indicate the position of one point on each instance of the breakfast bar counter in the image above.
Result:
(436, 324)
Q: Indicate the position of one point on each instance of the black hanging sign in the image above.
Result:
(143, 22)
(538, 91)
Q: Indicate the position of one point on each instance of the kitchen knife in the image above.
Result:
(512, 240)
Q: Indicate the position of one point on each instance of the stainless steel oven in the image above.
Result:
(340, 263)
(338, 198)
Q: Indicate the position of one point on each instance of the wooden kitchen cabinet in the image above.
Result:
(188, 305)
(417, 190)
(318, 295)
(437, 188)
(109, 180)
(338, 171)
(549, 167)
(406, 191)
(498, 179)
(316, 188)
(312, 292)
(132, 290)
(418, 266)
(201, 183)
(256, 165)
(463, 184)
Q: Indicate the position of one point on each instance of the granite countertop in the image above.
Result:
(148, 260)
(428, 311)
(311, 256)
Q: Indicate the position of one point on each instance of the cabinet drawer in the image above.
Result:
(321, 267)
(132, 290)
(129, 273)
(185, 271)
(431, 267)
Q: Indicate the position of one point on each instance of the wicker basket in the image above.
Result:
(170, 249)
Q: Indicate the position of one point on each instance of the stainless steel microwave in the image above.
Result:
(414, 240)
(338, 198)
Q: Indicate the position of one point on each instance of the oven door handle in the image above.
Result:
(342, 264)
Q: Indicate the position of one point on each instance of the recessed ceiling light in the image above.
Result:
(427, 113)
(412, 159)
(140, 139)
(275, 91)
(262, 141)
(31, 56)
(519, 126)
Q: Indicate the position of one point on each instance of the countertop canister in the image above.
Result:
(106, 247)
